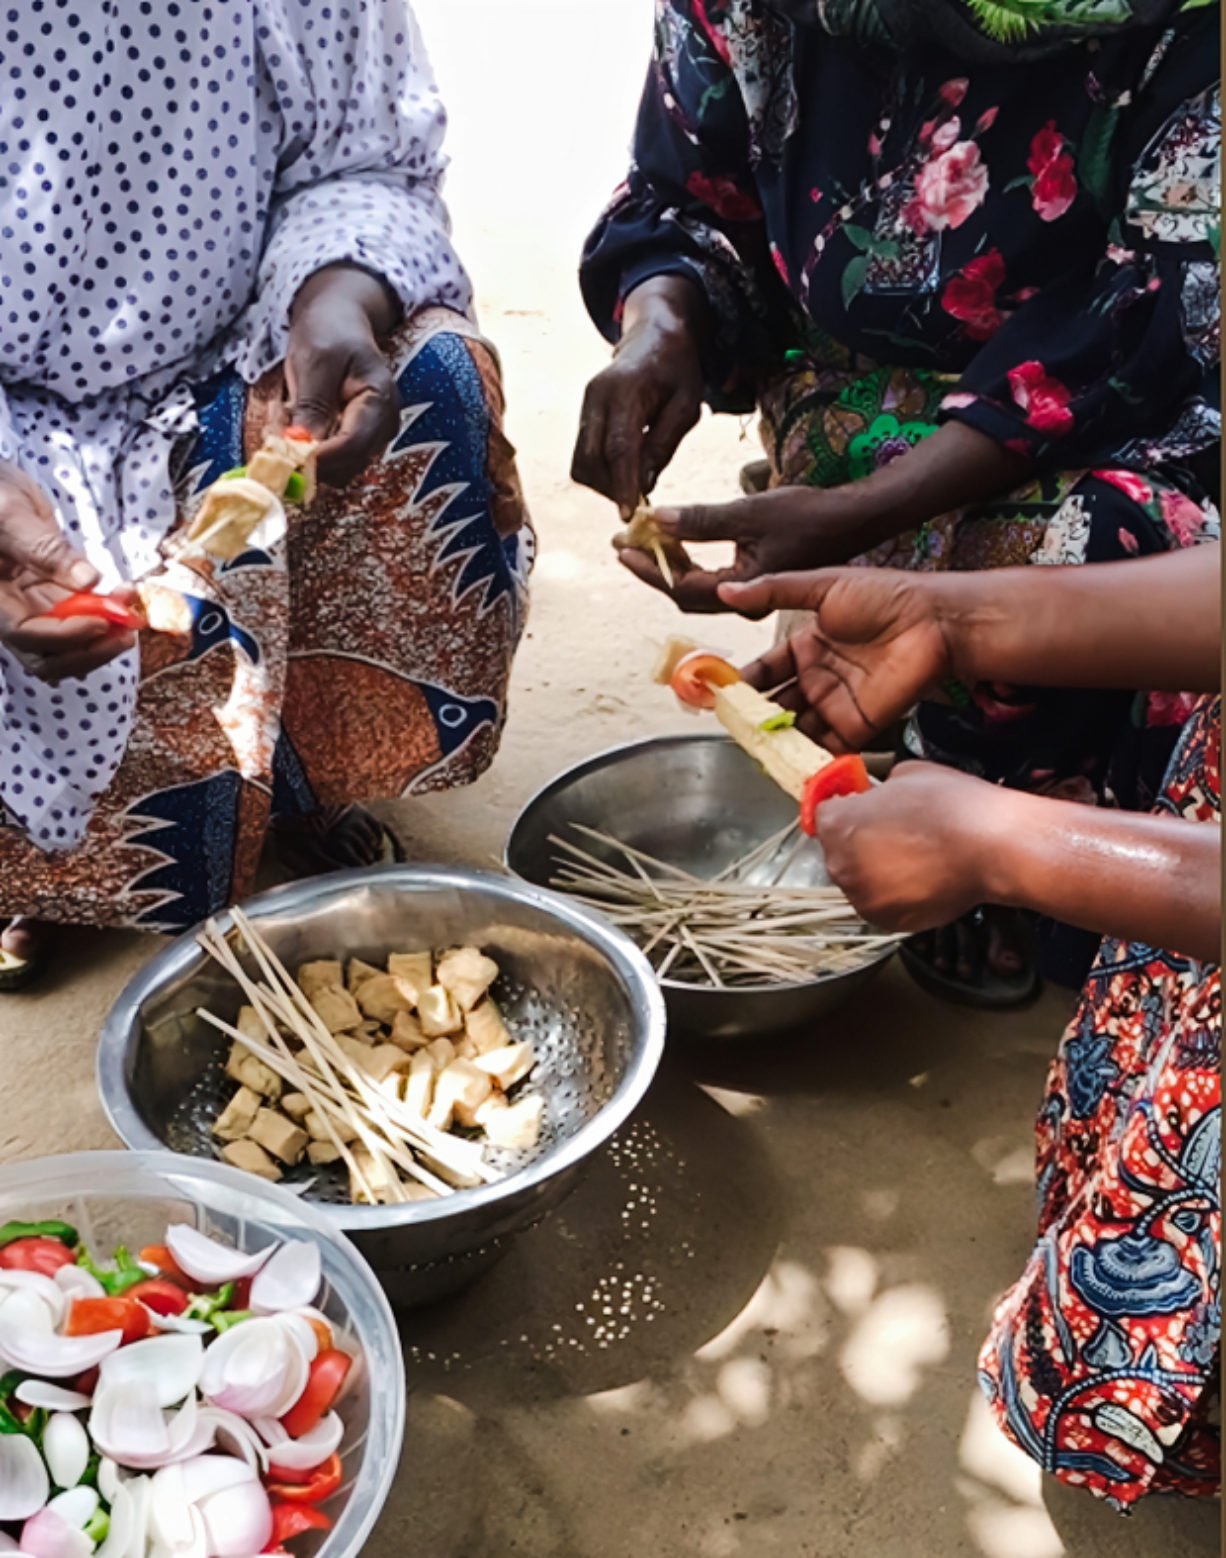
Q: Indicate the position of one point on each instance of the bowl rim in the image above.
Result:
(120, 1030)
(605, 759)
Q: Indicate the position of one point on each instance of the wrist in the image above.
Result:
(670, 307)
(1007, 847)
(347, 291)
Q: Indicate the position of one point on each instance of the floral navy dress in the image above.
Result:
(903, 211)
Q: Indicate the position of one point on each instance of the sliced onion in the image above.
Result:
(24, 1484)
(78, 1283)
(48, 1535)
(312, 1449)
(252, 1368)
(127, 1423)
(22, 1308)
(119, 1532)
(237, 1435)
(170, 1519)
(7, 1544)
(208, 1474)
(238, 1521)
(33, 1282)
(181, 1325)
(140, 1492)
(52, 1398)
(290, 1280)
(304, 1337)
(109, 1480)
(171, 1364)
(204, 1260)
(270, 1431)
(41, 1352)
(66, 1451)
(77, 1506)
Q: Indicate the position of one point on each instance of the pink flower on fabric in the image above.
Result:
(1043, 399)
(1127, 540)
(970, 296)
(724, 196)
(1129, 483)
(1184, 519)
(958, 400)
(948, 190)
(986, 120)
(954, 91)
(780, 264)
(874, 145)
(1169, 708)
(1054, 185)
(718, 41)
(944, 136)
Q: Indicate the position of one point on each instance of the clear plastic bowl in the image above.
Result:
(130, 1198)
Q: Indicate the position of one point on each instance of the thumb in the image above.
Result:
(31, 541)
(778, 592)
(741, 520)
(313, 379)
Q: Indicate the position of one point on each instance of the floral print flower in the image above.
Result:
(970, 296)
(724, 196)
(1183, 518)
(948, 190)
(1054, 185)
(1129, 483)
(1043, 399)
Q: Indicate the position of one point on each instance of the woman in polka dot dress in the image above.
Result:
(214, 217)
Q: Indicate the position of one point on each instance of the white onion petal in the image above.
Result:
(42, 1352)
(252, 1368)
(170, 1520)
(312, 1449)
(78, 1283)
(66, 1451)
(52, 1398)
(140, 1491)
(23, 1308)
(171, 1364)
(206, 1261)
(34, 1282)
(77, 1506)
(7, 1544)
(238, 1520)
(181, 1325)
(48, 1535)
(127, 1424)
(109, 1480)
(24, 1484)
(119, 1532)
(290, 1280)
(208, 1474)
(236, 1434)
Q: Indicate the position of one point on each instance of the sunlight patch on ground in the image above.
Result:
(851, 1278)
(903, 1332)
(1007, 1160)
(1004, 1491)
(789, 1303)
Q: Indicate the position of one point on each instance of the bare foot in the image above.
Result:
(25, 938)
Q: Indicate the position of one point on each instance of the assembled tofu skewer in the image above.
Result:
(809, 774)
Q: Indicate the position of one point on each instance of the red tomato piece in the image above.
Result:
(328, 1373)
(697, 673)
(844, 775)
(161, 1295)
(42, 1255)
(86, 604)
(300, 435)
(158, 1256)
(89, 1316)
(86, 1384)
(291, 1520)
(306, 1487)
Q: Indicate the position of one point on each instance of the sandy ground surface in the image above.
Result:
(753, 1329)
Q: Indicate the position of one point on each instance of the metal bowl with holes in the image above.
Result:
(698, 802)
(578, 989)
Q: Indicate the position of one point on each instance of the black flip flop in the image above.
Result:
(18, 973)
(992, 992)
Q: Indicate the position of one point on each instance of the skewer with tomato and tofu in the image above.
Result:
(809, 774)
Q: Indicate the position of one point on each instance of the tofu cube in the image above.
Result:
(415, 1192)
(486, 1029)
(382, 997)
(357, 973)
(518, 1126)
(297, 1106)
(494, 1104)
(419, 1086)
(357, 1050)
(316, 1128)
(458, 1093)
(379, 1175)
(508, 1065)
(250, 1071)
(251, 1025)
(414, 971)
(406, 1031)
(441, 1053)
(322, 1152)
(237, 1118)
(467, 974)
(325, 974)
(252, 1157)
(438, 1012)
(392, 1085)
(383, 1060)
(277, 1135)
(465, 1048)
(336, 1009)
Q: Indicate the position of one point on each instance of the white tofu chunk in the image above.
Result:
(279, 1136)
(518, 1126)
(467, 974)
(382, 997)
(419, 1087)
(414, 971)
(297, 1106)
(441, 1053)
(325, 974)
(251, 1025)
(237, 1118)
(508, 1065)
(313, 1124)
(380, 1176)
(250, 1071)
(486, 1029)
(321, 1152)
(458, 1093)
(336, 1009)
(406, 1031)
(375, 1060)
(357, 973)
(438, 1013)
(252, 1157)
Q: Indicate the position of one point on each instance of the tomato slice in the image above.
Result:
(45, 1256)
(159, 1257)
(86, 604)
(696, 674)
(300, 435)
(161, 1295)
(89, 1316)
(844, 775)
(329, 1371)
(291, 1520)
(306, 1487)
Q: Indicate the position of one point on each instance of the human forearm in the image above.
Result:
(1101, 625)
(1151, 879)
(670, 305)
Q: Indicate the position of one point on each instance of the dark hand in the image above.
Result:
(340, 386)
(37, 568)
(637, 411)
(781, 531)
(918, 850)
(876, 642)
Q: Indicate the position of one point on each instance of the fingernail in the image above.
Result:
(82, 574)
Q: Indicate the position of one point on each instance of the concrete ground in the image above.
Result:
(753, 1329)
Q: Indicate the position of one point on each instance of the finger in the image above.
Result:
(55, 658)
(46, 637)
(663, 437)
(735, 521)
(587, 464)
(780, 592)
(623, 443)
(369, 422)
(643, 568)
(31, 542)
(771, 668)
(313, 381)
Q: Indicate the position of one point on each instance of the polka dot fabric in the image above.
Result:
(170, 174)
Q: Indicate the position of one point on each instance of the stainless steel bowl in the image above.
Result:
(578, 988)
(696, 801)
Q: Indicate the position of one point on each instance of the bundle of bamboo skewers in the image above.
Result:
(403, 1155)
(740, 927)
